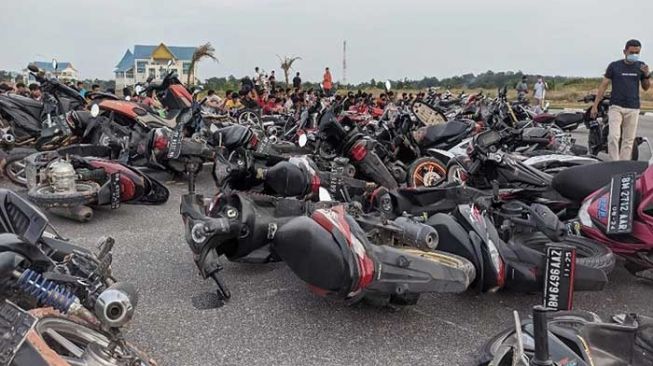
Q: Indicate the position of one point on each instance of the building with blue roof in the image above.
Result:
(146, 60)
(64, 71)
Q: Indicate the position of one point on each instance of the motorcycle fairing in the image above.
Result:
(641, 237)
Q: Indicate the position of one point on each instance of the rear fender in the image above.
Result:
(442, 155)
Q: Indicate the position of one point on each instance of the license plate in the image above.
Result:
(114, 190)
(621, 206)
(559, 277)
(175, 144)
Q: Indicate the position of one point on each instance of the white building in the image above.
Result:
(65, 71)
(135, 67)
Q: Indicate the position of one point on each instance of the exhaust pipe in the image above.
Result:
(116, 305)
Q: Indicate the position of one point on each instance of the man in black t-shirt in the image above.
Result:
(625, 75)
(297, 81)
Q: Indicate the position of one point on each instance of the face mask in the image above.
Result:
(632, 57)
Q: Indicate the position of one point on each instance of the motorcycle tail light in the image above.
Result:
(253, 141)
(498, 264)
(358, 152)
(315, 184)
(583, 213)
(478, 127)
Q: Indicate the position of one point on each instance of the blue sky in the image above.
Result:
(386, 39)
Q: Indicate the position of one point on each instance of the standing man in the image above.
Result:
(327, 82)
(21, 89)
(297, 81)
(539, 91)
(80, 87)
(522, 88)
(625, 75)
(273, 81)
(35, 91)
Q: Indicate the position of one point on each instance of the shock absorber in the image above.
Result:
(45, 291)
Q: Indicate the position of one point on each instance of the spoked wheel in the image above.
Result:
(14, 168)
(426, 172)
(45, 195)
(249, 117)
(79, 345)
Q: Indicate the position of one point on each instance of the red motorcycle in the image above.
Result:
(618, 214)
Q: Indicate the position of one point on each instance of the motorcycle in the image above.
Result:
(70, 180)
(599, 128)
(259, 229)
(571, 338)
(60, 302)
(519, 177)
(25, 118)
(507, 243)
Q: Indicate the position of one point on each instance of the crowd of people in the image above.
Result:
(33, 90)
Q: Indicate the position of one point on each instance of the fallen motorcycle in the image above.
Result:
(71, 180)
(575, 337)
(59, 303)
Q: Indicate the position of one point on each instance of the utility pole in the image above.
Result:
(344, 62)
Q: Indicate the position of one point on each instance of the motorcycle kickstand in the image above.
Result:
(223, 290)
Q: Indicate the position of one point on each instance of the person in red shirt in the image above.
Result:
(327, 82)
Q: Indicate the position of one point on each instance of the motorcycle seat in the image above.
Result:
(440, 132)
(566, 119)
(33, 107)
(578, 182)
(232, 136)
(544, 118)
(313, 254)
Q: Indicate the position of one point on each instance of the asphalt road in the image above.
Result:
(273, 319)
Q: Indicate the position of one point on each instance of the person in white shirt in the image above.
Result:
(539, 91)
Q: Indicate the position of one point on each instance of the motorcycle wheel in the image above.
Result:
(249, 117)
(14, 168)
(569, 319)
(45, 196)
(589, 253)
(426, 172)
(59, 338)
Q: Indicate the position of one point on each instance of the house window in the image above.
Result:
(140, 66)
(130, 74)
(152, 72)
(186, 67)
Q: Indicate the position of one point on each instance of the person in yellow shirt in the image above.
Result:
(233, 102)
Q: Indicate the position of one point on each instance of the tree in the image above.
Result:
(286, 65)
(202, 52)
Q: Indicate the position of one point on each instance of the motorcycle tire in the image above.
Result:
(249, 116)
(572, 319)
(589, 253)
(426, 172)
(86, 194)
(14, 168)
(76, 333)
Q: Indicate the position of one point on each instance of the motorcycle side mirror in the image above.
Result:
(33, 68)
(170, 63)
(303, 140)
(55, 65)
(388, 85)
(138, 89)
(95, 110)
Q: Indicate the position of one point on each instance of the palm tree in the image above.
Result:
(202, 52)
(286, 65)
